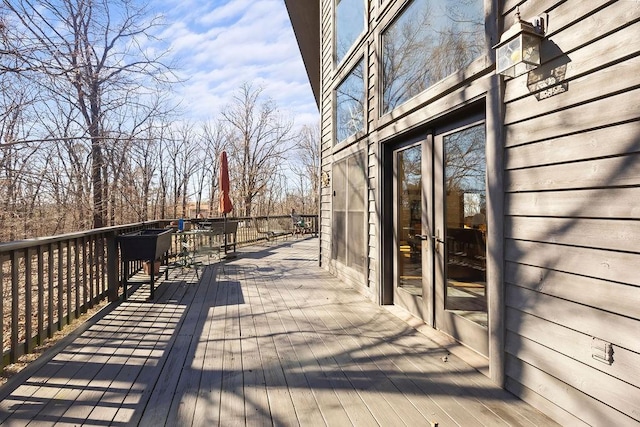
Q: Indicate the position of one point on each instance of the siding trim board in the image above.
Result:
(608, 141)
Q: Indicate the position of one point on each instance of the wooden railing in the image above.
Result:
(45, 283)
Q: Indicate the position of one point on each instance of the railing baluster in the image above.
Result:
(15, 307)
(50, 268)
(2, 308)
(91, 263)
(68, 284)
(60, 285)
(103, 258)
(85, 274)
(28, 307)
(40, 295)
(76, 268)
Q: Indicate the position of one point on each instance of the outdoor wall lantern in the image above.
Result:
(519, 49)
(325, 179)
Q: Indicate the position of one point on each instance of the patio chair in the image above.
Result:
(300, 226)
(273, 228)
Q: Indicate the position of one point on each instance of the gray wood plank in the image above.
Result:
(626, 364)
(372, 385)
(588, 320)
(252, 324)
(583, 61)
(266, 339)
(597, 384)
(547, 406)
(280, 399)
(441, 393)
(169, 315)
(608, 234)
(597, 203)
(183, 404)
(159, 403)
(615, 297)
(590, 410)
(302, 343)
(605, 142)
(207, 406)
(614, 109)
(611, 172)
(232, 398)
(79, 366)
(305, 404)
(596, 263)
(615, 78)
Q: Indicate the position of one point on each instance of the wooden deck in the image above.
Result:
(268, 338)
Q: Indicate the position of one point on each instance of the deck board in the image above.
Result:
(267, 338)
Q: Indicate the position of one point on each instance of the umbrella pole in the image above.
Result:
(225, 232)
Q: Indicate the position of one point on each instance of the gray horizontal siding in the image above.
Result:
(572, 217)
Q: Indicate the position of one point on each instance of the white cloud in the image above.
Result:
(220, 45)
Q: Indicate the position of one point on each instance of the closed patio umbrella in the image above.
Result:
(225, 201)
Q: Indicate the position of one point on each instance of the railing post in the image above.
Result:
(112, 267)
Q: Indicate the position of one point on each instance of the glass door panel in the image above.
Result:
(409, 220)
(412, 194)
(461, 229)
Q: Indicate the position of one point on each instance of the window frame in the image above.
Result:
(339, 63)
(390, 12)
(347, 72)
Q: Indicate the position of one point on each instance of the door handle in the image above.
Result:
(436, 239)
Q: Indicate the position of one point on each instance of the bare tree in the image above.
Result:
(145, 162)
(213, 139)
(15, 157)
(308, 168)
(182, 150)
(90, 54)
(259, 137)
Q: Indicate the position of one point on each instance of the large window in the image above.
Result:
(349, 24)
(428, 41)
(348, 234)
(349, 112)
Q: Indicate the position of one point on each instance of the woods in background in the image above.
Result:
(90, 136)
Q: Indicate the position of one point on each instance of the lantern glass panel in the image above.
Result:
(531, 49)
(509, 54)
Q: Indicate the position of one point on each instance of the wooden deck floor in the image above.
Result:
(265, 339)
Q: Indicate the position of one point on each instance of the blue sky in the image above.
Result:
(221, 44)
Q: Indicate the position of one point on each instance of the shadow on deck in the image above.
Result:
(267, 338)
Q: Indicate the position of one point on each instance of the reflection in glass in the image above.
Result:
(430, 40)
(349, 25)
(409, 246)
(350, 104)
(465, 210)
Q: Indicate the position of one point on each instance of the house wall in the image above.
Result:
(572, 177)
(563, 149)
(462, 88)
(330, 78)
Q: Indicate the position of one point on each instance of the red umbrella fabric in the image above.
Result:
(225, 202)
